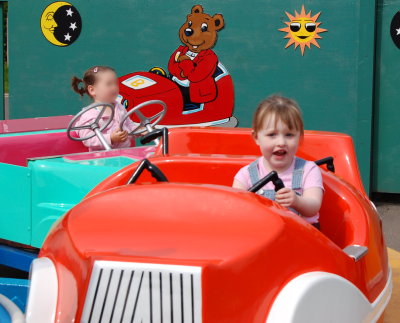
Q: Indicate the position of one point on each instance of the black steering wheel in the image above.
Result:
(153, 169)
(94, 126)
(146, 123)
(272, 176)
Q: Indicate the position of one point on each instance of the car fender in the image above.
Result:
(316, 297)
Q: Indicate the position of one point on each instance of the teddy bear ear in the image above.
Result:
(219, 21)
(197, 9)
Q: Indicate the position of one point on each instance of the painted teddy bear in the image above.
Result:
(195, 61)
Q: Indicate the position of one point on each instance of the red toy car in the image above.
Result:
(138, 87)
(183, 246)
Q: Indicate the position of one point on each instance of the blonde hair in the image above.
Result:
(283, 109)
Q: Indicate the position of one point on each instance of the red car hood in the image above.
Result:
(173, 221)
(247, 245)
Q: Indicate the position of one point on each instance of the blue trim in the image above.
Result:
(16, 290)
(213, 123)
(4, 316)
(184, 83)
(224, 72)
(16, 258)
(194, 110)
(26, 133)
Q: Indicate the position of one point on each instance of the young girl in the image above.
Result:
(278, 129)
(100, 83)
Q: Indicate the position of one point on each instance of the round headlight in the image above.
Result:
(43, 292)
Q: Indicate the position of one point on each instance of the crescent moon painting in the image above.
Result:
(61, 23)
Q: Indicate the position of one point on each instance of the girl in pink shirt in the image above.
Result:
(278, 129)
(100, 83)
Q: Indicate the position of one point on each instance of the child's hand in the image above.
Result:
(119, 136)
(286, 197)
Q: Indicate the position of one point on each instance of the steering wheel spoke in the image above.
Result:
(143, 129)
(145, 122)
(141, 116)
(93, 125)
(156, 116)
(82, 127)
(101, 114)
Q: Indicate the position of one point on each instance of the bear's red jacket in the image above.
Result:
(199, 72)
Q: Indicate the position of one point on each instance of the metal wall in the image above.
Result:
(333, 84)
(386, 147)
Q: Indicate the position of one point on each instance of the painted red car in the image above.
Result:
(178, 244)
(139, 87)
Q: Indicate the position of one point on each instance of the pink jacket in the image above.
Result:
(94, 142)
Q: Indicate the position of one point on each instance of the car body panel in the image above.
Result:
(34, 124)
(239, 142)
(166, 90)
(58, 184)
(223, 230)
(15, 199)
(45, 174)
(181, 230)
(353, 221)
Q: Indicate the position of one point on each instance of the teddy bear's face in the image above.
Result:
(199, 32)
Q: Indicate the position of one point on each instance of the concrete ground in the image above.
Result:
(388, 206)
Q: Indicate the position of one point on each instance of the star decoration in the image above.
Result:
(73, 26)
(67, 37)
(398, 31)
(69, 12)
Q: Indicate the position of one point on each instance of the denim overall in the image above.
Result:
(296, 179)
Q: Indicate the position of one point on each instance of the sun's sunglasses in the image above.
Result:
(310, 26)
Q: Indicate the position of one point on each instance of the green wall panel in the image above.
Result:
(333, 84)
(386, 152)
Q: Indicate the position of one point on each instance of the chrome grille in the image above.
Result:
(144, 293)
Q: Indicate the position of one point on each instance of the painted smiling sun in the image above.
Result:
(302, 30)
